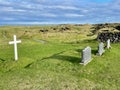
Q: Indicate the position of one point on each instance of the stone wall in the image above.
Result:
(113, 36)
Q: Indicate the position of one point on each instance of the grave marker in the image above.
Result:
(100, 49)
(86, 55)
(15, 46)
(108, 44)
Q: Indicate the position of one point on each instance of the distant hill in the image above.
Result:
(107, 27)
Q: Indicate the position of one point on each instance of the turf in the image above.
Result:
(50, 61)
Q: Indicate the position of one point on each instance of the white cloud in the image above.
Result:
(7, 18)
(11, 9)
(73, 15)
(40, 14)
(62, 10)
(31, 23)
(64, 7)
(4, 2)
(48, 15)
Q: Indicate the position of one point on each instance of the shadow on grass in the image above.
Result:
(67, 58)
(2, 59)
(79, 50)
(28, 65)
(94, 52)
(60, 56)
(72, 59)
(90, 40)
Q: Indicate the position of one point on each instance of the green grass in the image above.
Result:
(54, 64)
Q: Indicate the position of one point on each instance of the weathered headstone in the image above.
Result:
(86, 55)
(15, 46)
(100, 49)
(108, 44)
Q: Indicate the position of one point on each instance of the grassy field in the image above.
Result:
(50, 60)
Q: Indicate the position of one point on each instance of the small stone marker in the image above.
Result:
(15, 46)
(108, 44)
(100, 49)
(86, 55)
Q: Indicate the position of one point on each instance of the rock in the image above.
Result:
(43, 30)
(104, 36)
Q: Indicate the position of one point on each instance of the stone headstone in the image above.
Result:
(86, 55)
(100, 49)
(108, 44)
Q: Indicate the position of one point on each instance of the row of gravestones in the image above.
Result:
(86, 53)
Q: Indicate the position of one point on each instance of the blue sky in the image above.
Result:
(59, 11)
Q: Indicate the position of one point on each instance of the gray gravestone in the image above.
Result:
(108, 44)
(86, 55)
(100, 49)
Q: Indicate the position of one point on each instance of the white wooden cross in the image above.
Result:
(15, 46)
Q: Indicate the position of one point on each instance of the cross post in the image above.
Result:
(15, 46)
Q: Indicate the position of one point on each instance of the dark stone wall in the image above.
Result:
(113, 36)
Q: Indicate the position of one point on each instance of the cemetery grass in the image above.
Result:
(50, 61)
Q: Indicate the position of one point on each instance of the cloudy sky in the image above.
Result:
(59, 11)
